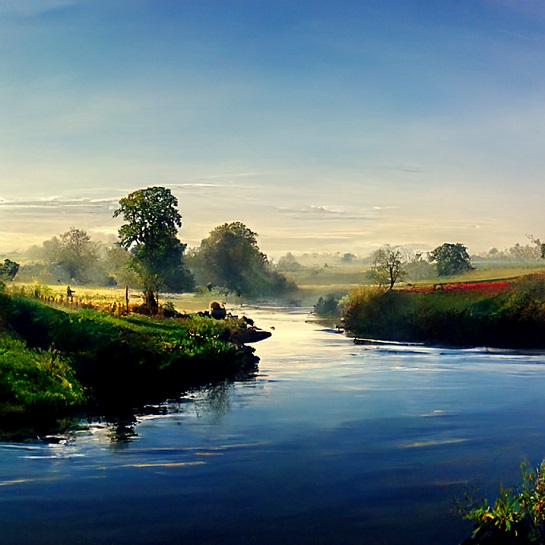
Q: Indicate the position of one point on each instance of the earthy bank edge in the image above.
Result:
(58, 363)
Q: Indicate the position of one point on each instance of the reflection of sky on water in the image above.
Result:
(330, 441)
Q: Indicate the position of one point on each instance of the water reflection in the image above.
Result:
(216, 401)
(212, 403)
(330, 443)
(122, 431)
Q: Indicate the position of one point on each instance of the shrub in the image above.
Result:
(516, 516)
(327, 306)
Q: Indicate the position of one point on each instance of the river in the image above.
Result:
(330, 443)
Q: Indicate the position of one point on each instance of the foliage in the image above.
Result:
(419, 268)
(8, 269)
(451, 259)
(484, 288)
(371, 312)
(73, 252)
(389, 266)
(35, 380)
(517, 515)
(117, 263)
(498, 314)
(288, 263)
(230, 258)
(527, 300)
(72, 257)
(150, 232)
(327, 306)
(540, 246)
(121, 361)
(517, 253)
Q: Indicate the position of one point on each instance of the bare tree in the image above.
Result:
(389, 266)
(539, 244)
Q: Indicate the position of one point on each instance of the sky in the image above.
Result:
(323, 125)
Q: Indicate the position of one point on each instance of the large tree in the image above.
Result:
(389, 266)
(230, 257)
(451, 259)
(150, 233)
(74, 253)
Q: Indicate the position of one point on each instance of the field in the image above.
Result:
(314, 281)
(183, 302)
(338, 280)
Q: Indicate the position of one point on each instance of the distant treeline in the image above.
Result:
(228, 261)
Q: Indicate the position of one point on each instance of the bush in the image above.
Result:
(517, 516)
(328, 306)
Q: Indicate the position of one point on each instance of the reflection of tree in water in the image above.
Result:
(212, 402)
(216, 401)
(121, 432)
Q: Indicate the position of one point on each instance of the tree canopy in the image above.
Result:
(73, 253)
(150, 233)
(230, 258)
(451, 259)
(8, 269)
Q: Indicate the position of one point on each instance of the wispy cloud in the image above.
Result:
(57, 203)
(30, 8)
(321, 212)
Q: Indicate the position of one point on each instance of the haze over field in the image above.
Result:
(322, 125)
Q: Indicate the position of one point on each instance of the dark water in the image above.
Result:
(331, 443)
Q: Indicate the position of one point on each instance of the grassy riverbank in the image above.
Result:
(497, 314)
(57, 361)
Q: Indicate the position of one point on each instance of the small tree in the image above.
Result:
(539, 244)
(8, 269)
(389, 266)
(288, 263)
(451, 259)
(150, 233)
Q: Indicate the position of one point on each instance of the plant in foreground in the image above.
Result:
(517, 515)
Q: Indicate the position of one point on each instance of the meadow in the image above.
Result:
(86, 354)
(501, 313)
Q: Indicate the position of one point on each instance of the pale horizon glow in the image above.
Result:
(323, 126)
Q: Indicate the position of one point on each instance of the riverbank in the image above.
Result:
(327, 442)
(60, 362)
(496, 314)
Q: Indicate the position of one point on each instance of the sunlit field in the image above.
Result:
(312, 283)
(339, 281)
(183, 302)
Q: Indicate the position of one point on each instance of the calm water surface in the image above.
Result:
(331, 443)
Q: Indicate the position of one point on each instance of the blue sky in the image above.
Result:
(323, 125)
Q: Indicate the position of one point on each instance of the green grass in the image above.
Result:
(56, 360)
(464, 317)
(35, 380)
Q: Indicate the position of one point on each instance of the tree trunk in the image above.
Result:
(150, 302)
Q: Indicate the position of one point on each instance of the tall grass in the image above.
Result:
(494, 314)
